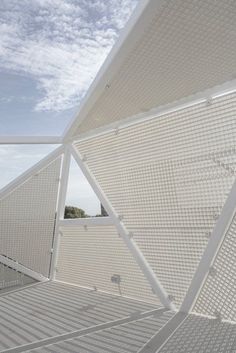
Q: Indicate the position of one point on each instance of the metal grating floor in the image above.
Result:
(52, 312)
(54, 317)
(201, 335)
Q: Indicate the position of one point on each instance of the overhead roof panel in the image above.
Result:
(175, 49)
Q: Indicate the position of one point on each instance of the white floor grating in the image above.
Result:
(58, 318)
(54, 309)
(120, 339)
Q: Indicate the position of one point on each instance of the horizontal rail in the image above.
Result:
(93, 221)
(157, 112)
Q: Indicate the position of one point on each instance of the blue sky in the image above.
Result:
(50, 51)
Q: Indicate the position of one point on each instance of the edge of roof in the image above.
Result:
(127, 40)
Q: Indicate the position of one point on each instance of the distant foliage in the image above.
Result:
(74, 212)
(103, 212)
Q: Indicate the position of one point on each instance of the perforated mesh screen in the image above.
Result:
(201, 335)
(169, 177)
(187, 47)
(27, 219)
(218, 295)
(11, 278)
(94, 256)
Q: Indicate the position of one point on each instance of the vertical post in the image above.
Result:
(215, 241)
(124, 233)
(60, 209)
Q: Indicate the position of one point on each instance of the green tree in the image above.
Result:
(74, 212)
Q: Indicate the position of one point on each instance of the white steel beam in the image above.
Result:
(60, 209)
(92, 221)
(155, 113)
(24, 140)
(215, 241)
(124, 233)
(20, 268)
(31, 171)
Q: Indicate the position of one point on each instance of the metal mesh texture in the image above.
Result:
(96, 257)
(218, 295)
(169, 178)
(27, 219)
(156, 72)
(10, 278)
(201, 335)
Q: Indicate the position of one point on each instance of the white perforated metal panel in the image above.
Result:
(218, 295)
(187, 47)
(27, 217)
(169, 178)
(91, 256)
(201, 335)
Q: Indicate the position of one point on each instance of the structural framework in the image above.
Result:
(155, 137)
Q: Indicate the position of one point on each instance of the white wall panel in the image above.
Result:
(90, 256)
(169, 178)
(27, 219)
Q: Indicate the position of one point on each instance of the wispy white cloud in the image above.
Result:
(59, 43)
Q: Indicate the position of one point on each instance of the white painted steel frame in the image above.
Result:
(190, 101)
(60, 208)
(220, 227)
(215, 241)
(24, 140)
(130, 243)
(92, 221)
(21, 268)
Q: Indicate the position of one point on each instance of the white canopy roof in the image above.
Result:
(169, 51)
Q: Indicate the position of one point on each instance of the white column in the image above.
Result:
(60, 209)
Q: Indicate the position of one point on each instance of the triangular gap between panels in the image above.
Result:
(81, 200)
(16, 159)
